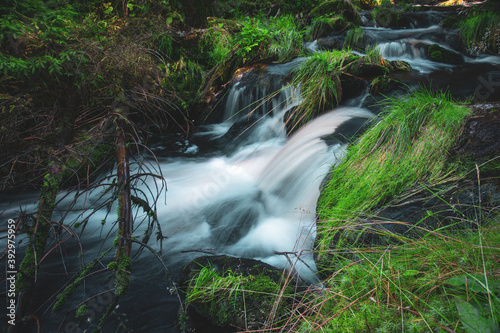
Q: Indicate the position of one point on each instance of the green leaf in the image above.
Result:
(473, 282)
(472, 321)
(410, 272)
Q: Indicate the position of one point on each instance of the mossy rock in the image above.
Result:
(389, 18)
(440, 54)
(336, 7)
(249, 298)
(364, 69)
(451, 22)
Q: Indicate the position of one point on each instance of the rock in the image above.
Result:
(352, 86)
(480, 137)
(387, 17)
(330, 43)
(246, 295)
(440, 54)
(337, 7)
(365, 69)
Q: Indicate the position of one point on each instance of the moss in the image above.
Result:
(82, 311)
(388, 17)
(451, 22)
(64, 296)
(440, 54)
(335, 8)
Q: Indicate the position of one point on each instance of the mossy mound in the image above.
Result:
(389, 18)
(440, 54)
(335, 8)
(451, 22)
(236, 292)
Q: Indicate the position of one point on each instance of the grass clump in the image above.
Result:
(319, 77)
(481, 32)
(407, 147)
(354, 38)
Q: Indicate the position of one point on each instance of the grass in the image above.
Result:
(353, 38)
(319, 77)
(481, 32)
(406, 148)
(422, 285)
(447, 280)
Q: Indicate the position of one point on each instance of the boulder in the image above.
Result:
(440, 54)
(336, 7)
(236, 292)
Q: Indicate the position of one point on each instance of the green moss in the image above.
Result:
(480, 32)
(82, 311)
(388, 17)
(40, 232)
(68, 291)
(319, 77)
(335, 8)
(440, 54)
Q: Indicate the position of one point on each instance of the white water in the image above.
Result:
(258, 201)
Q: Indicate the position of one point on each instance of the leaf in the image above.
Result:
(475, 283)
(472, 321)
(410, 272)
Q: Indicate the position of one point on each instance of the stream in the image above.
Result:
(241, 187)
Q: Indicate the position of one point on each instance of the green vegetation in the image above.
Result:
(481, 32)
(233, 299)
(408, 147)
(319, 77)
(354, 38)
(441, 282)
(72, 71)
(440, 54)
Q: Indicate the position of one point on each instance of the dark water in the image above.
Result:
(241, 187)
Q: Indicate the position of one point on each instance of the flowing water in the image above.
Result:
(241, 187)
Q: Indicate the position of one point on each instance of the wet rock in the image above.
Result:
(352, 86)
(440, 54)
(330, 43)
(480, 139)
(363, 68)
(387, 17)
(249, 297)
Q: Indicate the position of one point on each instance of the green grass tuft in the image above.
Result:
(319, 77)
(407, 147)
(481, 32)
